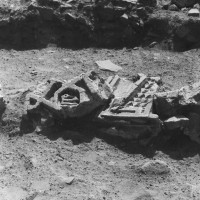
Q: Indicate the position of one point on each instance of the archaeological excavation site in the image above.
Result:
(100, 99)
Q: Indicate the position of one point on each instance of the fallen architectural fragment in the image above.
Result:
(131, 109)
(127, 108)
(108, 66)
(73, 99)
(194, 12)
(184, 102)
(126, 105)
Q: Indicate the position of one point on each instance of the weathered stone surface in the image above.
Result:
(173, 7)
(108, 66)
(185, 102)
(176, 102)
(176, 122)
(197, 6)
(163, 3)
(157, 167)
(132, 107)
(75, 98)
(194, 12)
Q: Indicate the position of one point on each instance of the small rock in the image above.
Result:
(124, 18)
(176, 122)
(51, 51)
(111, 163)
(68, 180)
(184, 9)
(38, 129)
(66, 60)
(173, 7)
(135, 48)
(108, 66)
(153, 44)
(34, 73)
(157, 167)
(194, 12)
(197, 6)
(66, 66)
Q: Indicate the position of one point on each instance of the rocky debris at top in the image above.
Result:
(183, 5)
(101, 23)
(179, 3)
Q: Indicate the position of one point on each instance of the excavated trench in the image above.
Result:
(82, 25)
(37, 26)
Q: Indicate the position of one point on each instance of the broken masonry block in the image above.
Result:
(194, 12)
(185, 102)
(75, 98)
(82, 95)
(132, 106)
(176, 122)
(178, 102)
(108, 66)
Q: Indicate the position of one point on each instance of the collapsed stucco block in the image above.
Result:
(180, 122)
(75, 98)
(132, 104)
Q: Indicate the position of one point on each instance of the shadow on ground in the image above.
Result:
(177, 146)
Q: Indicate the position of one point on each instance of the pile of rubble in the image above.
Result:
(180, 109)
(131, 109)
(190, 6)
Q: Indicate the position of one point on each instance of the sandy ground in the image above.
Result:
(86, 164)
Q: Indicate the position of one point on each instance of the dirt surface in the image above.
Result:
(83, 163)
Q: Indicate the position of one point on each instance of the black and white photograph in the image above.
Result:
(99, 99)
